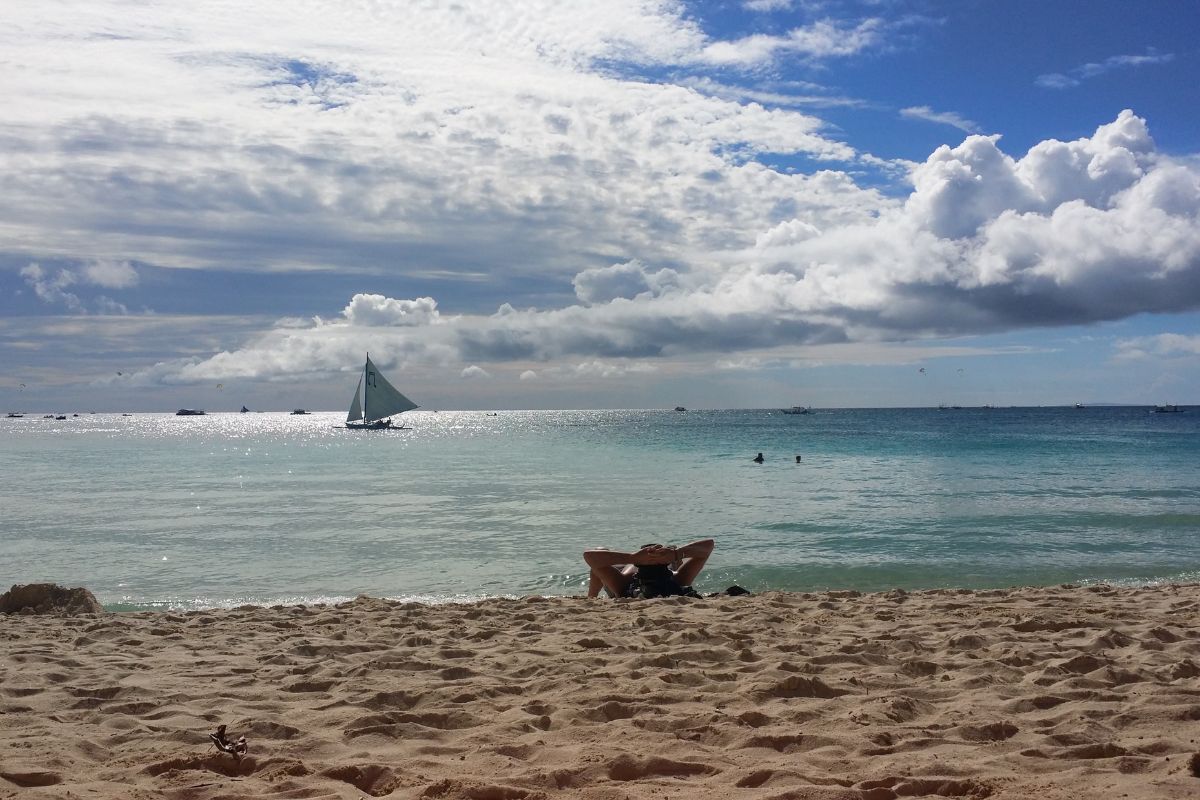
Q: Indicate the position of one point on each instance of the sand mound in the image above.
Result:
(48, 598)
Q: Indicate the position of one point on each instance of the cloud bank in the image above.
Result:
(585, 183)
(1072, 232)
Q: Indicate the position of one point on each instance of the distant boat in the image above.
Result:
(14, 415)
(190, 412)
(797, 410)
(1168, 409)
(299, 411)
(375, 401)
(244, 410)
(680, 408)
(61, 416)
(1079, 405)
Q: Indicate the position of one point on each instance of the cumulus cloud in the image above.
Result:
(377, 310)
(475, 372)
(628, 280)
(1099, 228)
(528, 375)
(110, 274)
(504, 149)
(1076, 76)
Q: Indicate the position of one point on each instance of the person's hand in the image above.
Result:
(656, 554)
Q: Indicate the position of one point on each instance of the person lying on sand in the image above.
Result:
(655, 570)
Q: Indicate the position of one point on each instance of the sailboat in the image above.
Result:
(375, 401)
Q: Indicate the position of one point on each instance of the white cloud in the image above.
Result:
(110, 274)
(475, 372)
(50, 285)
(106, 305)
(822, 39)
(377, 310)
(1100, 228)
(791, 231)
(51, 288)
(751, 364)
(766, 5)
(528, 375)
(788, 94)
(1055, 80)
(348, 135)
(602, 369)
(628, 280)
(1163, 345)
(951, 118)
(1076, 76)
(498, 146)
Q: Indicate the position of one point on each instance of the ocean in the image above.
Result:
(160, 511)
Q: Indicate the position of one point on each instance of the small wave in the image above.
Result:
(1191, 576)
(184, 605)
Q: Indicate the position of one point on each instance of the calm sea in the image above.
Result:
(162, 511)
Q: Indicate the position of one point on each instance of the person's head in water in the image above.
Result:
(758, 459)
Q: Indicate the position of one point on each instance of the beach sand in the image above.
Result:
(1049, 693)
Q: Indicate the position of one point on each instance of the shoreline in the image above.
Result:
(180, 607)
(1049, 692)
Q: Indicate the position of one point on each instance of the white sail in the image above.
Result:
(381, 398)
(356, 403)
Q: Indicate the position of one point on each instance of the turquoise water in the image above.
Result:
(226, 509)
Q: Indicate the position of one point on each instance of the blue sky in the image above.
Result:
(570, 205)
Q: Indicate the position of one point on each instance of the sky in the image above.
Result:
(570, 204)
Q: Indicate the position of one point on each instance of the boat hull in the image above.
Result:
(378, 425)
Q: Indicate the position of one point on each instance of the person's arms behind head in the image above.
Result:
(651, 554)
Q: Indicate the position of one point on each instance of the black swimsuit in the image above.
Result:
(656, 580)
